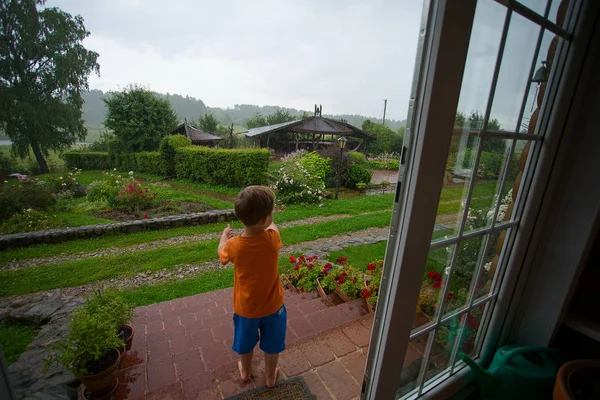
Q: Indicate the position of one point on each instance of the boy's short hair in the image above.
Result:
(253, 204)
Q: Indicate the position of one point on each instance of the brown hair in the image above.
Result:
(253, 204)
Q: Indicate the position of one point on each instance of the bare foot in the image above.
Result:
(243, 376)
(271, 381)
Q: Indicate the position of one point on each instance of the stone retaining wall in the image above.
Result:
(84, 232)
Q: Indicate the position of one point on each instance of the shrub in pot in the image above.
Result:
(90, 351)
(115, 309)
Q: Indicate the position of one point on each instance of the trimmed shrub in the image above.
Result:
(168, 146)
(237, 167)
(148, 162)
(357, 174)
(356, 157)
(316, 165)
(6, 166)
(87, 160)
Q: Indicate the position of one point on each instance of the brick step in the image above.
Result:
(309, 314)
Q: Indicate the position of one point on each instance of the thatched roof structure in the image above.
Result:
(196, 135)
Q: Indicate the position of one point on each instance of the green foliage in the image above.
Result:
(316, 165)
(110, 304)
(14, 339)
(139, 119)
(28, 221)
(222, 167)
(67, 183)
(167, 148)
(105, 142)
(296, 185)
(87, 160)
(108, 188)
(91, 336)
(385, 140)
(25, 194)
(357, 174)
(357, 157)
(208, 123)
(148, 162)
(257, 120)
(391, 165)
(7, 166)
(43, 70)
(475, 121)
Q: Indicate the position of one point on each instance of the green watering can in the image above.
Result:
(517, 373)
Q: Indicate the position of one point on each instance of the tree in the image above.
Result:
(208, 123)
(43, 70)
(139, 118)
(256, 121)
(475, 121)
(385, 140)
(280, 116)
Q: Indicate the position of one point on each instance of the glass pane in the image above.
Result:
(513, 76)
(510, 194)
(543, 68)
(413, 362)
(472, 333)
(441, 352)
(468, 259)
(538, 6)
(558, 10)
(433, 283)
(491, 260)
(481, 58)
(459, 172)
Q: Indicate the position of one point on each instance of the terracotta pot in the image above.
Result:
(102, 383)
(320, 288)
(574, 376)
(339, 292)
(129, 339)
(86, 395)
(286, 282)
(370, 307)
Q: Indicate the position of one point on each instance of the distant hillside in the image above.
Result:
(94, 111)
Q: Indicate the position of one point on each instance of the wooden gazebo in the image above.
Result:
(311, 133)
(197, 136)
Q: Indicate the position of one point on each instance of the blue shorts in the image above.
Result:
(272, 330)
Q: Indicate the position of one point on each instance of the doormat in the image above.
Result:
(290, 389)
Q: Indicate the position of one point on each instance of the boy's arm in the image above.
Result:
(225, 236)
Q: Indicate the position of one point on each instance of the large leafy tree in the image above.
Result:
(43, 69)
(139, 118)
(384, 139)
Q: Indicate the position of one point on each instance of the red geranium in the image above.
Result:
(296, 267)
(328, 265)
(292, 259)
(366, 293)
(437, 284)
(434, 276)
(301, 258)
(341, 280)
(145, 216)
(344, 258)
(451, 296)
(371, 266)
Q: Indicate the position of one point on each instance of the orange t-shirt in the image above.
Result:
(257, 288)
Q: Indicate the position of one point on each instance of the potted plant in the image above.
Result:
(303, 273)
(372, 281)
(321, 288)
(114, 307)
(90, 352)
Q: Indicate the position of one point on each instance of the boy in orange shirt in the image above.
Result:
(259, 312)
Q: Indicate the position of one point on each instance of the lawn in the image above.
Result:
(14, 338)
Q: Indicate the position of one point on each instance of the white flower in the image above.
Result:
(114, 169)
(488, 266)
(447, 270)
(320, 197)
(63, 184)
(309, 192)
(60, 178)
(130, 173)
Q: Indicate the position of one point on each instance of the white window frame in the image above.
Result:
(441, 57)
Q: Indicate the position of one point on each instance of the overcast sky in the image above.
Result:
(347, 55)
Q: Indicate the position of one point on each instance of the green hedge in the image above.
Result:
(222, 167)
(373, 164)
(87, 160)
(167, 148)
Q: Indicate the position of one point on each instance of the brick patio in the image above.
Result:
(182, 349)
